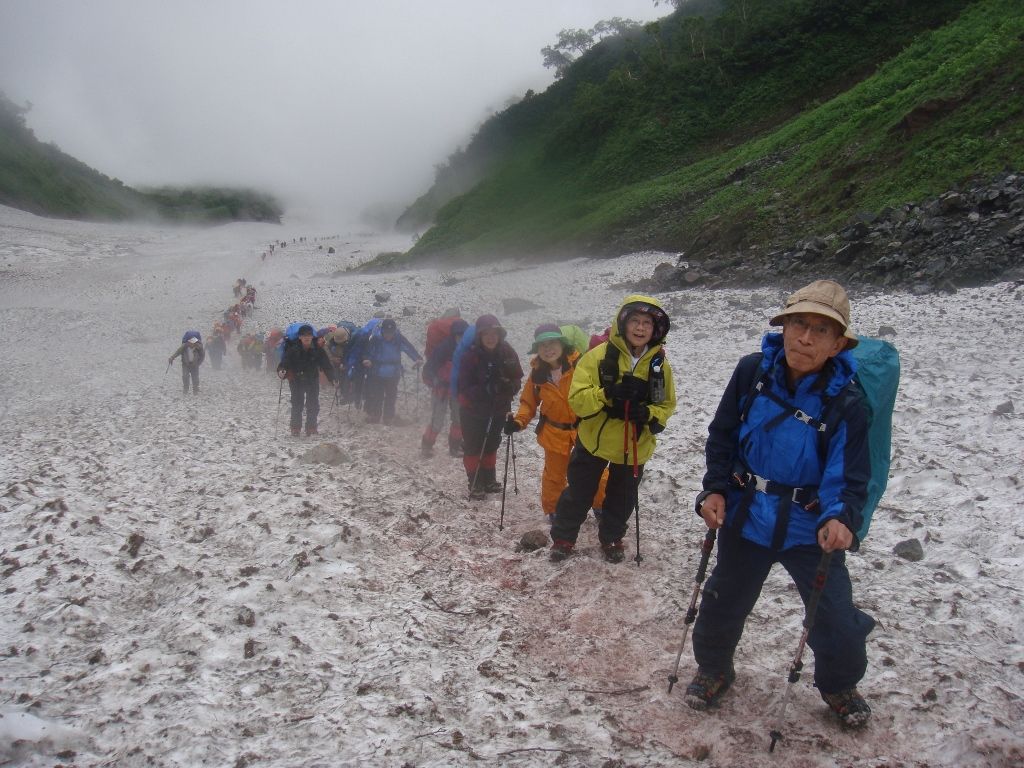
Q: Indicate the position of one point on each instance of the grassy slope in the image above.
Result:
(806, 174)
(40, 178)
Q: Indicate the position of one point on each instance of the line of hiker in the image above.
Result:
(193, 353)
(797, 452)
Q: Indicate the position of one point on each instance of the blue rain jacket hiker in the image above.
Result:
(826, 471)
(464, 343)
(358, 343)
(386, 356)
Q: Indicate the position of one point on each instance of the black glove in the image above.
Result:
(629, 388)
(639, 413)
(511, 427)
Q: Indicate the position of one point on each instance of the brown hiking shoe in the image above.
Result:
(560, 550)
(706, 690)
(849, 707)
(614, 552)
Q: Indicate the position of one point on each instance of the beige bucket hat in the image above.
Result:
(822, 297)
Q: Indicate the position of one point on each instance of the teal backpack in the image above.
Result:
(878, 376)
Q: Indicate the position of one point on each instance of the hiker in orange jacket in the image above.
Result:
(547, 390)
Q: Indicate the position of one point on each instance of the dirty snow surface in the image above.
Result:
(180, 587)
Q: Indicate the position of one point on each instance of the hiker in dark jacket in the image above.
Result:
(489, 377)
(217, 349)
(437, 374)
(192, 356)
(787, 473)
(301, 365)
(382, 361)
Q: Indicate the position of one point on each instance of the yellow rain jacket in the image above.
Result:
(598, 432)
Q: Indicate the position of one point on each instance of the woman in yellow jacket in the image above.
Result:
(623, 393)
(547, 389)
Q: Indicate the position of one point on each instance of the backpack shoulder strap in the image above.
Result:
(748, 382)
(608, 368)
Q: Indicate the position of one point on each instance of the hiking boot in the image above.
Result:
(705, 690)
(455, 451)
(311, 432)
(614, 552)
(426, 450)
(493, 486)
(849, 707)
(476, 491)
(296, 432)
(560, 550)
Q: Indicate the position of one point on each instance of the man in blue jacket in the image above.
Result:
(787, 473)
(382, 360)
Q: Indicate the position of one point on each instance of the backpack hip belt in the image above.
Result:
(750, 484)
(544, 420)
(805, 497)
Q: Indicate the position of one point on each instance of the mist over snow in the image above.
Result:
(181, 587)
(334, 106)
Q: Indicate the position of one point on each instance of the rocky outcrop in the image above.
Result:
(961, 238)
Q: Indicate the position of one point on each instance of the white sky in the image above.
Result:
(335, 105)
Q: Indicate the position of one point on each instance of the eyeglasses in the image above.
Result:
(818, 330)
(639, 321)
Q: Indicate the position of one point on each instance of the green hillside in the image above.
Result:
(42, 179)
(762, 122)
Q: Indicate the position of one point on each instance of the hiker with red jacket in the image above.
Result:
(489, 377)
(437, 375)
(301, 365)
(547, 391)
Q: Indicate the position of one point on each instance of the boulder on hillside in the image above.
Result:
(512, 305)
(325, 453)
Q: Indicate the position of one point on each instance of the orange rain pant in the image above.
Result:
(553, 481)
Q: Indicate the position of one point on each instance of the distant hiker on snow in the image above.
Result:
(489, 377)
(547, 390)
(437, 375)
(783, 487)
(192, 356)
(301, 364)
(217, 348)
(382, 360)
(623, 393)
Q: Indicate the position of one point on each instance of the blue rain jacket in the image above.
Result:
(386, 356)
(786, 450)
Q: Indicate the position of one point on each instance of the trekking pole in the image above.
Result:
(483, 448)
(797, 665)
(691, 613)
(515, 477)
(504, 483)
(277, 418)
(636, 492)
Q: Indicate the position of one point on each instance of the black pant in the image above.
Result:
(187, 372)
(840, 628)
(380, 396)
(305, 392)
(584, 474)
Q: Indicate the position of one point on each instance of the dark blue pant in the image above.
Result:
(840, 629)
(584, 475)
(305, 392)
(380, 397)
